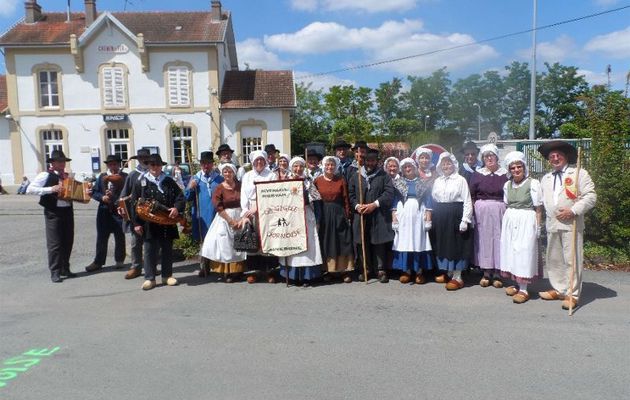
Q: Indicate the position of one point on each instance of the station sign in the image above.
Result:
(115, 117)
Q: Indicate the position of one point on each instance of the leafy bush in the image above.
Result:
(187, 246)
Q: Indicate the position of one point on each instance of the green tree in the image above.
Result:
(309, 122)
(516, 97)
(428, 97)
(561, 87)
(350, 111)
(608, 118)
(388, 103)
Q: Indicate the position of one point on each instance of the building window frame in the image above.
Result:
(51, 90)
(114, 85)
(52, 137)
(182, 141)
(182, 90)
(243, 154)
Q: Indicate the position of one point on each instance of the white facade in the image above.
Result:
(141, 97)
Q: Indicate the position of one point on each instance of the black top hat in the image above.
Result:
(57, 155)
(469, 146)
(206, 156)
(111, 158)
(224, 147)
(142, 153)
(341, 143)
(360, 144)
(372, 153)
(270, 148)
(156, 159)
(559, 145)
(315, 149)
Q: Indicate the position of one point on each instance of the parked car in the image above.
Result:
(168, 170)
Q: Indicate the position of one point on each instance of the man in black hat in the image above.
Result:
(471, 162)
(375, 204)
(567, 196)
(58, 215)
(341, 148)
(360, 150)
(314, 156)
(158, 239)
(199, 191)
(106, 191)
(272, 154)
(224, 152)
(142, 157)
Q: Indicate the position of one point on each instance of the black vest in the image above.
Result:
(49, 201)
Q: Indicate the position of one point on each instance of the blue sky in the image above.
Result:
(314, 36)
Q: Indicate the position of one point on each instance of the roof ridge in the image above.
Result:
(19, 21)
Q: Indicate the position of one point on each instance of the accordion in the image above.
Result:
(73, 190)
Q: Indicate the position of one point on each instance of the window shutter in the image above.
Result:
(178, 86)
(119, 85)
(114, 86)
(108, 87)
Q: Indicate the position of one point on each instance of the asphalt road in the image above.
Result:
(210, 340)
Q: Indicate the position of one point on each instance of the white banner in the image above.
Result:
(282, 223)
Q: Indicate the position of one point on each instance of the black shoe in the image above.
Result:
(382, 277)
(68, 274)
(55, 278)
(362, 278)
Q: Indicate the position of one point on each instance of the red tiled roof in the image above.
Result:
(3, 93)
(258, 89)
(157, 27)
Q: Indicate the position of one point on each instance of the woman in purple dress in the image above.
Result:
(486, 191)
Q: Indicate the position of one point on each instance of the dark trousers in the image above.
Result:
(152, 249)
(376, 256)
(107, 224)
(136, 250)
(59, 238)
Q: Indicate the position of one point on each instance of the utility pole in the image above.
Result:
(532, 85)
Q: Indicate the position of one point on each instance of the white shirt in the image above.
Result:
(37, 188)
(453, 189)
(248, 189)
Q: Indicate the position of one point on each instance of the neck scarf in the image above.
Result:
(207, 179)
(367, 177)
(158, 181)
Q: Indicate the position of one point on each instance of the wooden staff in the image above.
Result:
(365, 274)
(574, 239)
(204, 272)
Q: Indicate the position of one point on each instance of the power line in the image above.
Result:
(460, 46)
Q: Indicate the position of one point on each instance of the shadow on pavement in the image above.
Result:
(593, 291)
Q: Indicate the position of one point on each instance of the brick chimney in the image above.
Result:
(216, 10)
(90, 12)
(33, 11)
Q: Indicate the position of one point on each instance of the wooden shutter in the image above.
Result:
(113, 87)
(178, 86)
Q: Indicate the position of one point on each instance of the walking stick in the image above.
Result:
(365, 275)
(574, 238)
(202, 268)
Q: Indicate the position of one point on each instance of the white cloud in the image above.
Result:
(253, 53)
(323, 81)
(614, 44)
(326, 37)
(555, 51)
(370, 6)
(391, 40)
(7, 7)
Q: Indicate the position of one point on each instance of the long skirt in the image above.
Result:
(335, 237)
(306, 265)
(452, 248)
(412, 247)
(519, 246)
(488, 217)
(218, 245)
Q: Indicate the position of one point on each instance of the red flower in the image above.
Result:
(568, 181)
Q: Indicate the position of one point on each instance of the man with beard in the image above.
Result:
(106, 192)
(360, 149)
(374, 203)
(341, 148)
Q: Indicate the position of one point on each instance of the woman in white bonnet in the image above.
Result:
(452, 214)
(257, 262)
(521, 228)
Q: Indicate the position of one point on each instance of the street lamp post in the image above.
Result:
(478, 119)
(426, 117)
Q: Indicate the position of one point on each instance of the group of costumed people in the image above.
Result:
(405, 217)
